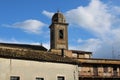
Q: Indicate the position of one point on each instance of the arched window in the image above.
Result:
(61, 34)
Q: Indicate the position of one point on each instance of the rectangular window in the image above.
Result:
(39, 78)
(61, 78)
(14, 78)
(105, 69)
(95, 70)
(115, 71)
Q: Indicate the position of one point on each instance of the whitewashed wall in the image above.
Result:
(29, 70)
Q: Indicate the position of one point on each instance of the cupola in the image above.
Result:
(58, 18)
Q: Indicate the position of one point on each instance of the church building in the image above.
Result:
(35, 62)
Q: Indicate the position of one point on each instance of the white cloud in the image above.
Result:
(94, 17)
(48, 14)
(115, 10)
(91, 44)
(101, 20)
(87, 45)
(80, 40)
(29, 26)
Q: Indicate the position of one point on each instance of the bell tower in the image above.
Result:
(58, 32)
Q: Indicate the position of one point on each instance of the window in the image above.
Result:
(39, 78)
(115, 71)
(105, 69)
(61, 78)
(114, 68)
(14, 78)
(61, 35)
(95, 70)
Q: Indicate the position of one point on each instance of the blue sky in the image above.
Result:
(94, 25)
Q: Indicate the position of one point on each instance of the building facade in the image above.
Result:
(36, 70)
(24, 64)
(99, 69)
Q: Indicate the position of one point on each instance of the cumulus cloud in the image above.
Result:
(48, 14)
(101, 20)
(93, 17)
(29, 26)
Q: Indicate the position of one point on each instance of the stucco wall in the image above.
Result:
(29, 70)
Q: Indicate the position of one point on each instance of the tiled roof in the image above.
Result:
(34, 55)
(26, 46)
